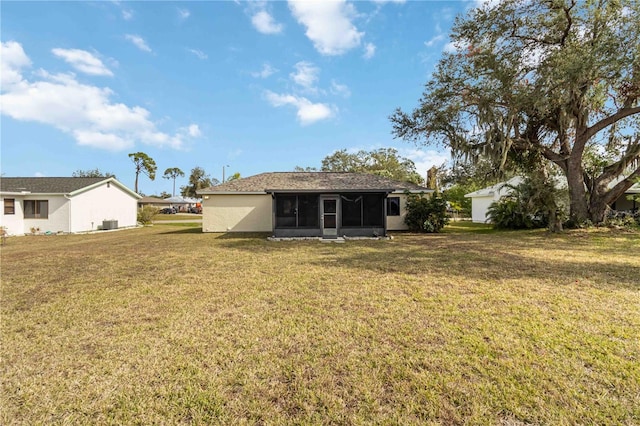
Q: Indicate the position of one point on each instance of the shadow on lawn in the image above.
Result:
(493, 256)
(183, 230)
(471, 260)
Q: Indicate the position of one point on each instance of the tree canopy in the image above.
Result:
(173, 173)
(143, 164)
(92, 173)
(198, 179)
(536, 81)
(382, 162)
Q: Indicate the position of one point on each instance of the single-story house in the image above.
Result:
(183, 204)
(308, 204)
(65, 204)
(153, 202)
(483, 198)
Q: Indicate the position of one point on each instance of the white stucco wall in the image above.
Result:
(479, 207)
(57, 220)
(396, 223)
(105, 202)
(13, 223)
(237, 213)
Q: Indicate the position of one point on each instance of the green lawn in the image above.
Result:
(178, 216)
(166, 325)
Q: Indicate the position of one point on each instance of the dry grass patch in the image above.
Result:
(169, 325)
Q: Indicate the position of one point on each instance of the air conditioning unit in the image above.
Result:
(109, 224)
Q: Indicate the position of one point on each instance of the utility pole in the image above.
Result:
(223, 169)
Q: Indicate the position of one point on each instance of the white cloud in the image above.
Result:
(264, 23)
(266, 71)
(308, 112)
(454, 47)
(199, 53)
(183, 14)
(13, 60)
(328, 25)
(194, 131)
(486, 3)
(389, 1)
(424, 160)
(84, 111)
(340, 89)
(369, 50)
(435, 39)
(138, 42)
(39, 174)
(127, 14)
(306, 75)
(83, 61)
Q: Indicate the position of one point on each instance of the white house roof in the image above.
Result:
(490, 191)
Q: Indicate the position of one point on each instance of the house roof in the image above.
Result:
(490, 191)
(55, 185)
(515, 181)
(153, 200)
(312, 182)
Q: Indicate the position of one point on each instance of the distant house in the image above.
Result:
(153, 202)
(483, 198)
(308, 204)
(65, 204)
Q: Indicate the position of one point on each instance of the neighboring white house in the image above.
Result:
(65, 204)
(308, 204)
(482, 198)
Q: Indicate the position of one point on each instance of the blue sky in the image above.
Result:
(258, 86)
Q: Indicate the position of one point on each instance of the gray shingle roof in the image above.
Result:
(312, 181)
(46, 185)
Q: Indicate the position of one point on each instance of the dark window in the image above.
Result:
(297, 211)
(352, 210)
(286, 211)
(393, 206)
(307, 211)
(36, 209)
(362, 210)
(9, 206)
(373, 210)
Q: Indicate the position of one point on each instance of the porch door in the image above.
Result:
(329, 216)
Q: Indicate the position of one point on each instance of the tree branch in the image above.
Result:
(589, 132)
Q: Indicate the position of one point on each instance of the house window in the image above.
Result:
(362, 210)
(36, 209)
(393, 206)
(297, 211)
(9, 206)
(352, 210)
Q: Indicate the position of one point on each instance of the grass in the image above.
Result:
(178, 216)
(167, 325)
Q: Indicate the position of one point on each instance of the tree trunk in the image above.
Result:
(136, 185)
(578, 206)
(555, 225)
(597, 209)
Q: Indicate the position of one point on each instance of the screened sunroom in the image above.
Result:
(329, 215)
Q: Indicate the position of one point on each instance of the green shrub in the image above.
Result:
(509, 213)
(426, 214)
(146, 214)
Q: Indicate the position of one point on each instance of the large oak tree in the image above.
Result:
(551, 79)
(382, 162)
